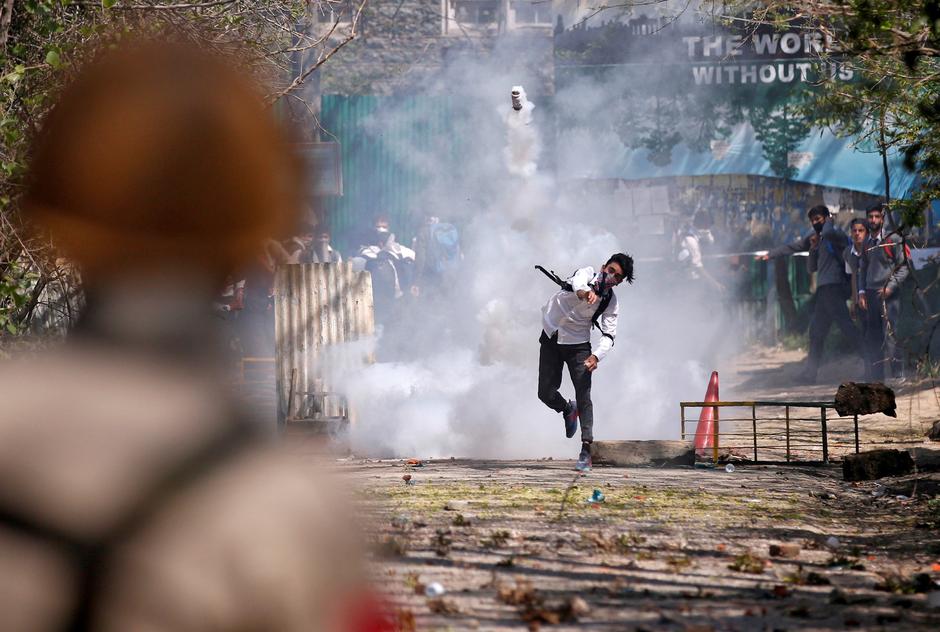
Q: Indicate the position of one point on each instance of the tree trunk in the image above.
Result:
(6, 16)
(784, 294)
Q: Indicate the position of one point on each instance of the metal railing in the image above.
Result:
(770, 437)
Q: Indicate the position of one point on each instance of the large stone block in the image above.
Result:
(634, 453)
(867, 466)
(934, 433)
(927, 459)
(854, 398)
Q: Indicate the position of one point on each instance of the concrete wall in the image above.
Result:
(404, 46)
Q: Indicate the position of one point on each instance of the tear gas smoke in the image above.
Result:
(463, 376)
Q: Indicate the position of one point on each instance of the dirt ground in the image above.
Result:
(513, 544)
(516, 545)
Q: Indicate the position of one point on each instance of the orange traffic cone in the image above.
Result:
(707, 421)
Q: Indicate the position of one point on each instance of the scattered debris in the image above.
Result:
(456, 505)
(802, 578)
(535, 609)
(898, 584)
(401, 521)
(415, 463)
(748, 563)
(414, 584)
(391, 547)
(729, 468)
(874, 464)
(443, 606)
(496, 540)
(787, 549)
(833, 542)
(678, 563)
(846, 562)
(461, 520)
(442, 542)
(434, 589)
(596, 497)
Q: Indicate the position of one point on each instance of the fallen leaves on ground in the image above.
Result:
(748, 563)
(535, 609)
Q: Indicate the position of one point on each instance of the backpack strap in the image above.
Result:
(91, 558)
(605, 302)
(564, 285)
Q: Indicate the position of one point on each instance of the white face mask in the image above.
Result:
(603, 282)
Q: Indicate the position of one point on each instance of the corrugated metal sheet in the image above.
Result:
(316, 305)
(382, 138)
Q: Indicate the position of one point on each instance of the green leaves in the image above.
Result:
(53, 59)
(107, 4)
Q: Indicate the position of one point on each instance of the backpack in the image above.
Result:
(566, 287)
(443, 248)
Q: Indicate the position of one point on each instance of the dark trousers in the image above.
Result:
(830, 308)
(880, 345)
(552, 358)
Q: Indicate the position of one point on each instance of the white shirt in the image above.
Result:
(571, 317)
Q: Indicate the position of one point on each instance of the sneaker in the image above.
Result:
(571, 418)
(584, 461)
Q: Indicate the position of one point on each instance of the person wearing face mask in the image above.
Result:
(883, 269)
(584, 301)
(322, 251)
(826, 245)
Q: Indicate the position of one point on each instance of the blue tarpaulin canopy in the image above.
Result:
(823, 159)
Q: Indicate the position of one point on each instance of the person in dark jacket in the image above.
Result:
(883, 270)
(826, 245)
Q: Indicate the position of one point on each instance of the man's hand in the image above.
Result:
(587, 295)
(884, 293)
(813, 241)
(591, 363)
(763, 257)
(863, 302)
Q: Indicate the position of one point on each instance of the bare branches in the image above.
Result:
(270, 37)
(324, 57)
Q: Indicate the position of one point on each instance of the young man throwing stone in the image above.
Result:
(586, 300)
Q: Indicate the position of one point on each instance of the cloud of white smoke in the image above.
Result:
(464, 381)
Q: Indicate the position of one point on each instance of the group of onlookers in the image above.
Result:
(858, 287)
(399, 273)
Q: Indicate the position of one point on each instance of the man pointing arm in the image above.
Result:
(567, 319)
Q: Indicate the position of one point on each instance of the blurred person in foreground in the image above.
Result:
(134, 492)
